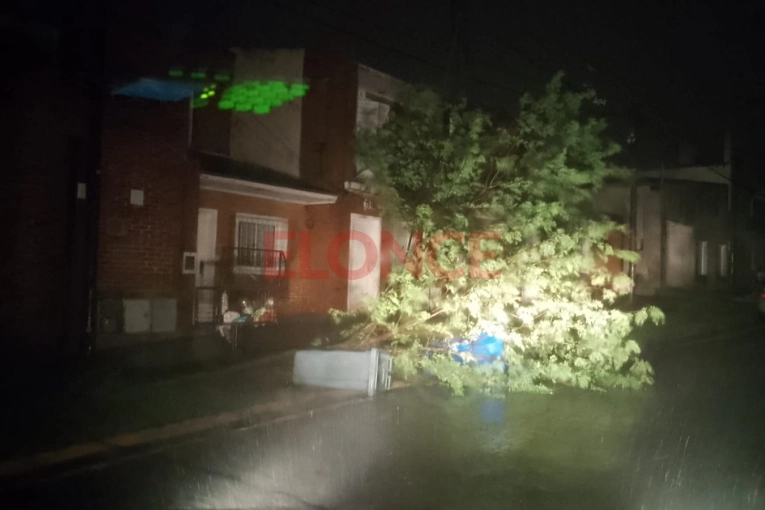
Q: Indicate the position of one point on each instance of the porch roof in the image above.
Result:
(220, 173)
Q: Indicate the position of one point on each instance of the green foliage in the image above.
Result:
(443, 167)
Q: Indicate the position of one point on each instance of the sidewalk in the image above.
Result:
(122, 410)
(134, 395)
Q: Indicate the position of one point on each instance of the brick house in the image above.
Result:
(190, 197)
(149, 190)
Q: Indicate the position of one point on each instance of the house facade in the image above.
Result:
(203, 207)
(683, 227)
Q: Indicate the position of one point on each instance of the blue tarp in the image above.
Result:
(159, 90)
(485, 349)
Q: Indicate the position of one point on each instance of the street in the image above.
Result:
(692, 441)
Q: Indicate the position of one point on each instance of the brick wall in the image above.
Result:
(37, 201)
(141, 247)
(304, 294)
(329, 120)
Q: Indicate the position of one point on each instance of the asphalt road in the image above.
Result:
(695, 440)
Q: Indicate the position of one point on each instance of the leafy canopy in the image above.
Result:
(529, 187)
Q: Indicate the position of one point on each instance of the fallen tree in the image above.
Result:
(506, 243)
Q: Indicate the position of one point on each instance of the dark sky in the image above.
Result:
(676, 72)
(680, 73)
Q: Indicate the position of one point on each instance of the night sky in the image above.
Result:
(679, 74)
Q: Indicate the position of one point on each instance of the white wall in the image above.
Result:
(271, 140)
(377, 82)
(681, 255)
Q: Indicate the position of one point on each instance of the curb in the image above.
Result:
(287, 409)
(271, 360)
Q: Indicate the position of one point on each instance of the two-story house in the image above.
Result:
(251, 193)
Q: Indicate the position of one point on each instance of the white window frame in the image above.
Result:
(281, 224)
(703, 258)
(723, 251)
(366, 101)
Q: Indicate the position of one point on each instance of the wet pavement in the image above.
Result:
(695, 440)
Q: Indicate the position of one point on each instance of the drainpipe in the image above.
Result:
(633, 230)
(732, 209)
(663, 226)
(92, 79)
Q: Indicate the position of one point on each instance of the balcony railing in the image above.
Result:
(256, 261)
(242, 273)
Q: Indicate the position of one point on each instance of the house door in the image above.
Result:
(207, 230)
(681, 255)
(368, 285)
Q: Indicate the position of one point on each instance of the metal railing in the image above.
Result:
(242, 273)
(256, 260)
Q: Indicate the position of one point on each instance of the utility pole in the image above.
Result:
(459, 50)
(92, 83)
(633, 205)
(732, 210)
(663, 229)
(633, 228)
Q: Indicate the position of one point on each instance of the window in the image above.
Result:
(257, 249)
(723, 260)
(370, 114)
(703, 259)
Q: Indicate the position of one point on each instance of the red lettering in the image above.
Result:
(275, 261)
(304, 252)
(413, 262)
(477, 255)
(432, 258)
(333, 255)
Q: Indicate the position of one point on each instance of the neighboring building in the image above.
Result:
(48, 198)
(190, 197)
(749, 233)
(683, 227)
